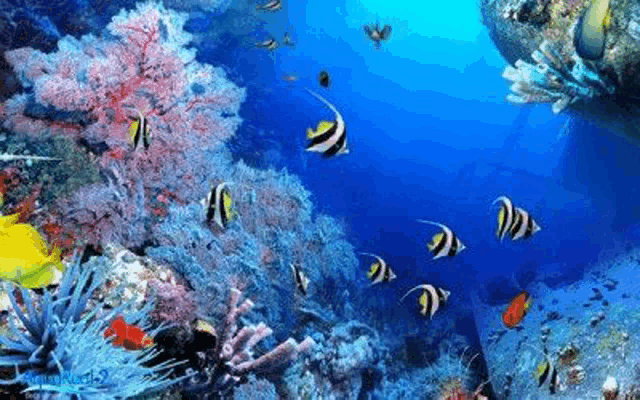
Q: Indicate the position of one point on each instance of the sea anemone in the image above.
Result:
(60, 346)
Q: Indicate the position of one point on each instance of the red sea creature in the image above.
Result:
(128, 336)
(59, 236)
(26, 207)
(9, 177)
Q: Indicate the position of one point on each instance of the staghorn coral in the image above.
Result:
(232, 358)
(553, 80)
(59, 336)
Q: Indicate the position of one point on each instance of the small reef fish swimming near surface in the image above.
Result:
(140, 132)
(379, 271)
(445, 243)
(218, 205)
(323, 79)
(25, 257)
(430, 299)
(269, 44)
(286, 40)
(589, 36)
(514, 220)
(302, 282)
(290, 78)
(273, 5)
(376, 34)
(329, 138)
(128, 336)
(514, 314)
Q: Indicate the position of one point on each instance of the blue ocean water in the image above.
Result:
(430, 137)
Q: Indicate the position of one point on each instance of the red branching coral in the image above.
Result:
(97, 85)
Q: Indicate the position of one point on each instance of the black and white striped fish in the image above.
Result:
(273, 5)
(431, 299)
(140, 132)
(302, 282)
(524, 226)
(445, 243)
(547, 373)
(218, 205)
(329, 138)
(379, 271)
(269, 44)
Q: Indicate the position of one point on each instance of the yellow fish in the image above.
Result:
(589, 37)
(25, 257)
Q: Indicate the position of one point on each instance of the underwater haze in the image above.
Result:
(243, 199)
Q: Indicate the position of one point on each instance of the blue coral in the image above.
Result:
(62, 350)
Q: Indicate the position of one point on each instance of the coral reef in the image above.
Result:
(58, 337)
(340, 365)
(559, 325)
(232, 358)
(551, 80)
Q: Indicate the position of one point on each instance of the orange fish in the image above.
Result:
(516, 311)
(128, 336)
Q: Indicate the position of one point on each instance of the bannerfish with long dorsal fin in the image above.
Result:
(589, 37)
(218, 205)
(546, 372)
(273, 5)
(269, 44)
(514, 220)
(445, 243)
(301, 280)
(379, 271)
(329, 138)
(140, 132)
(376, 34)
(431, 298)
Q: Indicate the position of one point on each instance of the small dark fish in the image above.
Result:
(302, 282)
(269, 44)
(286, 40)
(323, 79)
(329, 138)
(218, 205)
(445, 243)
(140, 132)
(273, 5)
(379, 271)
(376, 34)
(430, 299)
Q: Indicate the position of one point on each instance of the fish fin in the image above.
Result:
(367, 30)
(608, 18)
(324, 126)
(386, 32)
(373, 270)
(133, 128)
(311, 134)
(500, 220)
(434, 241)
(226, 201)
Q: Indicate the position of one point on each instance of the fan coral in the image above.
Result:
(552, 80)
(59, 347)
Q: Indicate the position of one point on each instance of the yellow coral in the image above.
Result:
(25, 257)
